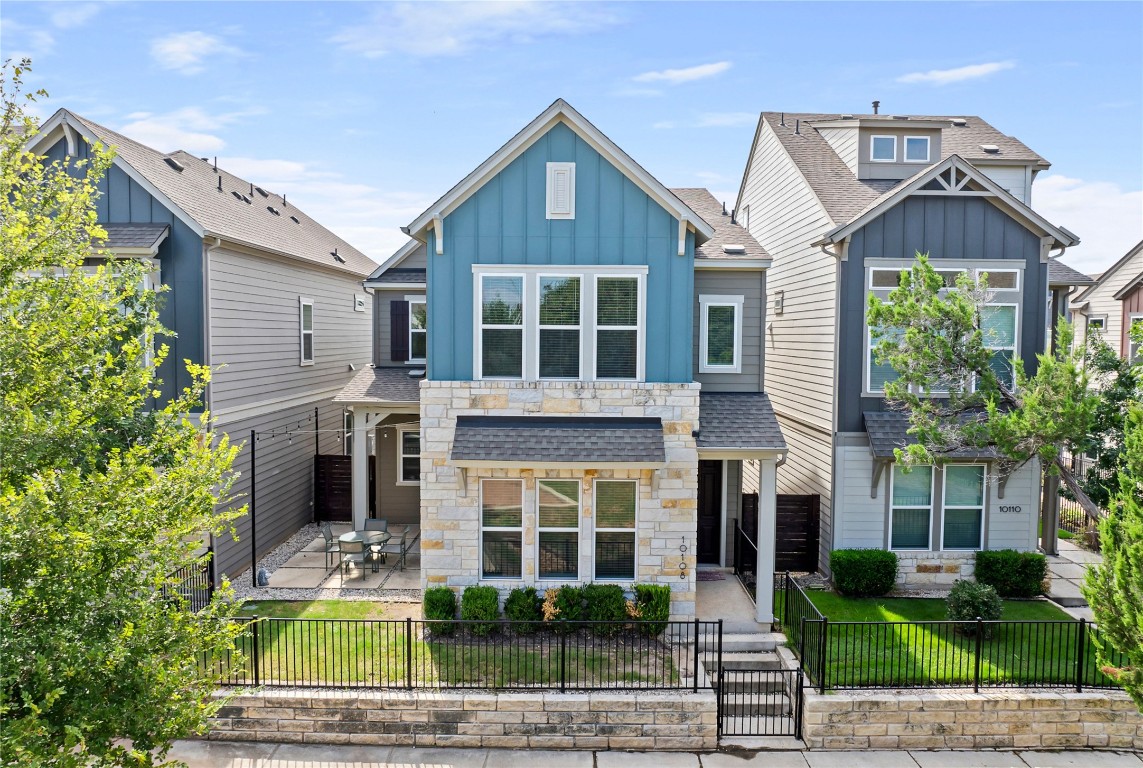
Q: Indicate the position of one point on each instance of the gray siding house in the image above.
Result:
(843, 203)
(258, 290)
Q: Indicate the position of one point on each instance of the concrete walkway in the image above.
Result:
(1067, 570)
(201, 754)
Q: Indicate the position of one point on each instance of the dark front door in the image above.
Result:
(709, 510)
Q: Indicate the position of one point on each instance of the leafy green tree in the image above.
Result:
(104, 494)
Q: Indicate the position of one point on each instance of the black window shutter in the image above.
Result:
(399, 330)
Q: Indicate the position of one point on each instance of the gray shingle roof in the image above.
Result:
(889, 430)
(559, 440)
(381, 385)
(398, 275)
(842, 194)
(195, 191)
(1060, 273)
(702, 202)
(738, 420)
(134, 235)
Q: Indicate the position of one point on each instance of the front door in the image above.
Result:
(709, 511)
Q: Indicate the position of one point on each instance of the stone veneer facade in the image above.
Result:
(933, 570)
(666, 518)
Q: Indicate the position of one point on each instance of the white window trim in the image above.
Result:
(302, 304)
(706, 301)
(905, 148)
(932, 495)
(589, 278)
(1101, 319)
(945, 507)
(543, 529)
(552, 169)
(872, 141)
(633, 531)
(520, 530)
(1018, 272)
(1132, 318)
(578, 328)
(1015, 348)
(417, 299)
(401, 455)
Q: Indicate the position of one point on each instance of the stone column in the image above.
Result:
(767, 532)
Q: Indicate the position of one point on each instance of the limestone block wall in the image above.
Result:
(659, 721)
(666, 519)
(1001, 719)
(929, 570)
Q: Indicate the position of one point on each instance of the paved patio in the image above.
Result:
(1067, 570)
(312, 568)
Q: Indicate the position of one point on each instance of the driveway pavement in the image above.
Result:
(214, 754)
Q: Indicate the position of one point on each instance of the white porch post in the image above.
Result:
(360, 468)
(767, 531)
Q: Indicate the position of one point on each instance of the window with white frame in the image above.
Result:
(911, 508)
(557, 529)
(616, 327)
(615, 514)
(916, 149)
(306, 330)
(998, 325)
(502, 326)
(720, 334)
(1096, 324)
(409, 456)
(883, 149)
(559, 337)
(501, 529)
(418, 329)
(1134, 348)
(963, 509)
(1000, 279)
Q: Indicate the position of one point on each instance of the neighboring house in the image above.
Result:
(259, 291)
(568, 380)
(842, 203)
(1111, 302)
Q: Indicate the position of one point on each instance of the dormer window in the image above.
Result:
(916, 149)
(883, 149)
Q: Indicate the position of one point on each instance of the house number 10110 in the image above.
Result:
(1013, 509)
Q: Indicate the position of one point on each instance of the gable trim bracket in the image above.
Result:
(438, 233)
(879, 466)
(683, 235)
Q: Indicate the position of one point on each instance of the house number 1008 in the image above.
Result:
(1014, 509)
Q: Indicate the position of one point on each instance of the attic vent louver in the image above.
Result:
(733, 248)
(174, 164)
(273, 210)
(236, 195)
(959, 122)
(246, 200)
(991, 149)
(261, 191)
(295, 219)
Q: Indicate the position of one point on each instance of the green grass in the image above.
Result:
(839, 608)
(344, 650)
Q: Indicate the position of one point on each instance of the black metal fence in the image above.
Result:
(573, 656)
(760, 702)
(979, 654)
(195, 584)
(746, 561)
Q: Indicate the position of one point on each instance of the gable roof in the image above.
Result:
(1060, 273)
(1136, 250)
(193, 195)
(1000, 197)
(1132, 284)
(841, 193)
(387, 271)
(726, 232)
(559, 112)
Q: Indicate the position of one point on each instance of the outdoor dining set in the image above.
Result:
(370, 545)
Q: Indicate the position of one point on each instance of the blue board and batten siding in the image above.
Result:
(945, 228)
(616, 222)
(123, 201)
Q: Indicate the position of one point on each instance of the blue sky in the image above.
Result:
(365, 113)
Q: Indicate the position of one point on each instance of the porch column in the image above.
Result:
(767, 531)
(361, 429)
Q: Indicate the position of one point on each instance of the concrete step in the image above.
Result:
(755, 688)
(761, 744)
(1066, 593)
(744, 660)
(765, 725)
(753, 642)
(771, 707)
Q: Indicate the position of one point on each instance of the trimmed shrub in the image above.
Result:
(970, 600)
(521, 608)
(563, 605)
(653, 602)
(863, 572)
(481, 605)
(605, 603)
(1012, 573)
(440, 605)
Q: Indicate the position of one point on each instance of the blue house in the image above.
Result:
(567, 380)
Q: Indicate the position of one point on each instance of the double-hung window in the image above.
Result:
(418, 329)
(557, 518)
(306, 330)
(616, 327)
(501, 529)
(615, 504)
(963, 526)
(911, 508)
(998, 325)
(559, 336)
(502, 326)
(409, 456)
(720, 334)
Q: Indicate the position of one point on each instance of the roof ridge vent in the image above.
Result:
(959, 122)
(235, 192)
(847, 117)
(991, 149)
(246, 200)
(733, 248)
(898, 117)
(174, 163)
(261, 191)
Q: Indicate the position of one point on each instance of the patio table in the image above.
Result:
(370, 539)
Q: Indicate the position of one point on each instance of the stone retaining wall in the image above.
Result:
(660, 720)
(1005, 720)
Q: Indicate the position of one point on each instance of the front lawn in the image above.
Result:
(839, 608)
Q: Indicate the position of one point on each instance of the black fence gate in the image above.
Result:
(760, 702)
(797, 535)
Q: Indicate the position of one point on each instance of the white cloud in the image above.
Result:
(189, 128)
(726, 119)
(185, 52)
(957, 75)
(24, 41)
(686, 75)
(450, 29)
(1107, 218)
(68, 15)
(663, 125)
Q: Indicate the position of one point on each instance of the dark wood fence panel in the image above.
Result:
(797, 532)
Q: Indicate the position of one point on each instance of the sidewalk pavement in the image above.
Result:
(215, 754)
(1067, 570)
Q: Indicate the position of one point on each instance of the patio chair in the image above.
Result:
(332, 545)
(397, 547)
(373, 524)
(353, 553)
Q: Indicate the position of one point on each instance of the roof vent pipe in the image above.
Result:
(284, 200)
(876, 106)
(723, 207)
(216, 163)
(732, 212)
(798, 126)
(219, 183)
(783, 122)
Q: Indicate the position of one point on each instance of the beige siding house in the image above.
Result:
(1099, 307)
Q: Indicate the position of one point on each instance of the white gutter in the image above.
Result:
(207, 314)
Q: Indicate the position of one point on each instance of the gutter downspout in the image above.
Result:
(207, 400)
